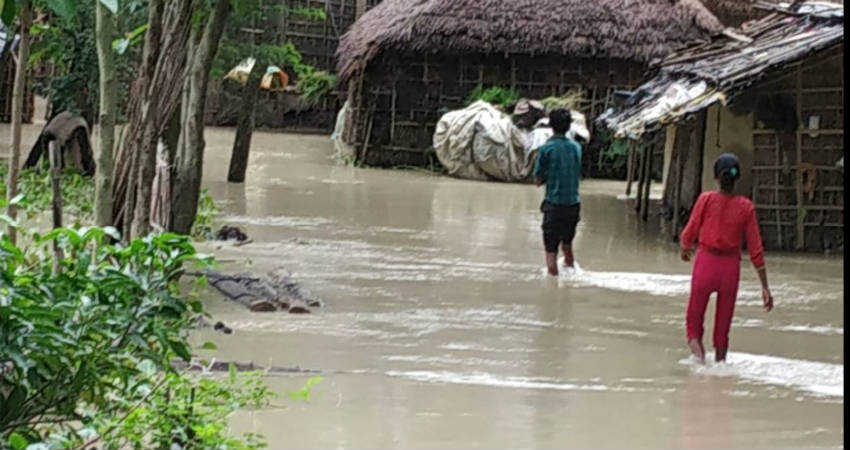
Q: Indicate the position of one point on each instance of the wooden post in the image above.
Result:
(648, 186)
(393, 103)
(777, 211)
(677, 189)
(641, 179)
(360, 8)
(55, 178)
(801, 228)
(364, 150)
(630, 169)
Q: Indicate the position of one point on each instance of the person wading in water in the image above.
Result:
(558, 166)
(718, 221)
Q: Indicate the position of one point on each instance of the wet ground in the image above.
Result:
(441, 331)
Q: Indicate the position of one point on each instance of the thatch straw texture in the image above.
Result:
(636, 30)
(693, 79)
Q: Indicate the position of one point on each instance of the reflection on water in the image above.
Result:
(441, 331)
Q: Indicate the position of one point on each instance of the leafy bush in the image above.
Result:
(570, 100)
(313, 84)
(36, 188)
(86, 347)
(78, 198)
(498, 96)
(202, 228)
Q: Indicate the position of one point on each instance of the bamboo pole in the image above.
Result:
(630, 169)
(55, 180)
(677, 190)
(801, 228)
(641, 179)
(648, 184)
(777, 211)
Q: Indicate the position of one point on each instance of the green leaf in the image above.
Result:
(181, 350)
(209, 346)
(231, 369)
(65, 9)
(111, 5)
(146, 367)
(120, 45)
(8, 12)
(17, 442)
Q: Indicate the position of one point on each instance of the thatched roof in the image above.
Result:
(695, 78)
(736, 12)
(637, 30)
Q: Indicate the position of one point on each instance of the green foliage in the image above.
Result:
(312, 14)
(570, 100)
(37, 195)
(614, 152)
(311, 83)
(80, 338)
(202, 228)
(498, 96)
(133, 37)
(304, 392)
(314, 84)
(85, 355)
(68, 42)
(189, 411)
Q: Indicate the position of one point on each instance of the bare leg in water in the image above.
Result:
(569, 260)
(698, 351)
(552, 263)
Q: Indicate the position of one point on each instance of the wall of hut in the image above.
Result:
(797, 187)
(395, 104)
(788, 132)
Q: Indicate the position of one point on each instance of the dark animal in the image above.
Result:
(71, 134)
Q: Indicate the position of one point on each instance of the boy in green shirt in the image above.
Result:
(558, 166)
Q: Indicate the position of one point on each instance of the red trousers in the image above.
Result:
(713, 273)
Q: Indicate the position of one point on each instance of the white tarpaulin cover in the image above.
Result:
(481, 142)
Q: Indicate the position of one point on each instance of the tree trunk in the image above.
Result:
(190, 156)
(18, 111)
(108, 114)
(156, 94)
(245, 127)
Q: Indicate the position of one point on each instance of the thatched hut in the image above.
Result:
(773, 93)
(406, 61)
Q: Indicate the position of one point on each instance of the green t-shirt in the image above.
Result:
(559, 163)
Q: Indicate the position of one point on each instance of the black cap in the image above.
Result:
(727, 163)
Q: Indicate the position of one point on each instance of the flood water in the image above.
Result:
(440, 330)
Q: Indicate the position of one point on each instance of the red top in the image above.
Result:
(720, 220)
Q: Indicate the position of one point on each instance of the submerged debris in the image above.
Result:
(224, 366)
(277, 292)
(228, 233)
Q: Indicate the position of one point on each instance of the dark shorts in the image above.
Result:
(559, 224)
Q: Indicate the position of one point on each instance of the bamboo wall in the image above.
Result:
(797, 189)
(396, 103)
(795, 184)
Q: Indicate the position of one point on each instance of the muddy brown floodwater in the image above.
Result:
(440, 330)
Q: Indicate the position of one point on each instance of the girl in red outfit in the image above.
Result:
(718, 221)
